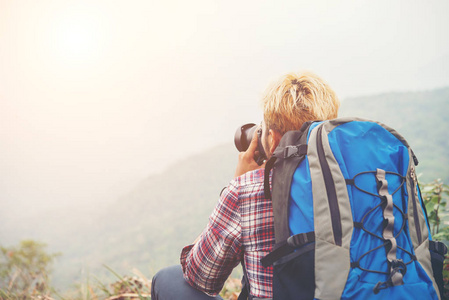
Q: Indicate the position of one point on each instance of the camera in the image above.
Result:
(243, 137)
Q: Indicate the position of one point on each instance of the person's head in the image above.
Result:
(293, 99)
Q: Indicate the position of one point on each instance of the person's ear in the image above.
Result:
(275, 138)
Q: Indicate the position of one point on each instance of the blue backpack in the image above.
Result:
(348, 215)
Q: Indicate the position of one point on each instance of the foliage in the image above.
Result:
(24, 271)
(435, 196)
(128, 288)
(131, 285)
(231, 289)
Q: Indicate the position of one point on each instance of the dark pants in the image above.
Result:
(169, 284)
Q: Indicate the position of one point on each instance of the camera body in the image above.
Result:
(243, 137)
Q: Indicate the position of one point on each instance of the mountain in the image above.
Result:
(147, 227)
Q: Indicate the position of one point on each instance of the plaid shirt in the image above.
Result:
(240, 229)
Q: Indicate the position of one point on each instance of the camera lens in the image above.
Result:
(243, 136)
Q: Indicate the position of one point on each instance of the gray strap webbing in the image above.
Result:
(330, 258)
(388, 234)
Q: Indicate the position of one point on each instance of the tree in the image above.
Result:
(24, 270)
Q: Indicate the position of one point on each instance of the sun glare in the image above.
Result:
(76, 40)
(76, 37)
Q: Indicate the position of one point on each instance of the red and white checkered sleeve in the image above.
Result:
(208, 263)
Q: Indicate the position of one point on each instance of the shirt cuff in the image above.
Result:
(184, 253)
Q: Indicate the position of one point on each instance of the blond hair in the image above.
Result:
(296, 98)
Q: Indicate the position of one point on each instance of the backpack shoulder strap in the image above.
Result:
(286, 158)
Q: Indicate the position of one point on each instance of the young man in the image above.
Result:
(241, 229)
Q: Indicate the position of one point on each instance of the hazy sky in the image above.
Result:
(97, 95)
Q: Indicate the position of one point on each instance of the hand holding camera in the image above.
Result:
(248, 140)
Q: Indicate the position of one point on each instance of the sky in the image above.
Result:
(95, 95)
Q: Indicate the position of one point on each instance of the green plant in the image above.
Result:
(24, 270)
(135, 287)
(435, 196)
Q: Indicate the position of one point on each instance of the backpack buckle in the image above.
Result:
(295, 151)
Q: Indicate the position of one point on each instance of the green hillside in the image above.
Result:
(148, 227)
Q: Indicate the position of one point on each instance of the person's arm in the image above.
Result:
(209, 262)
